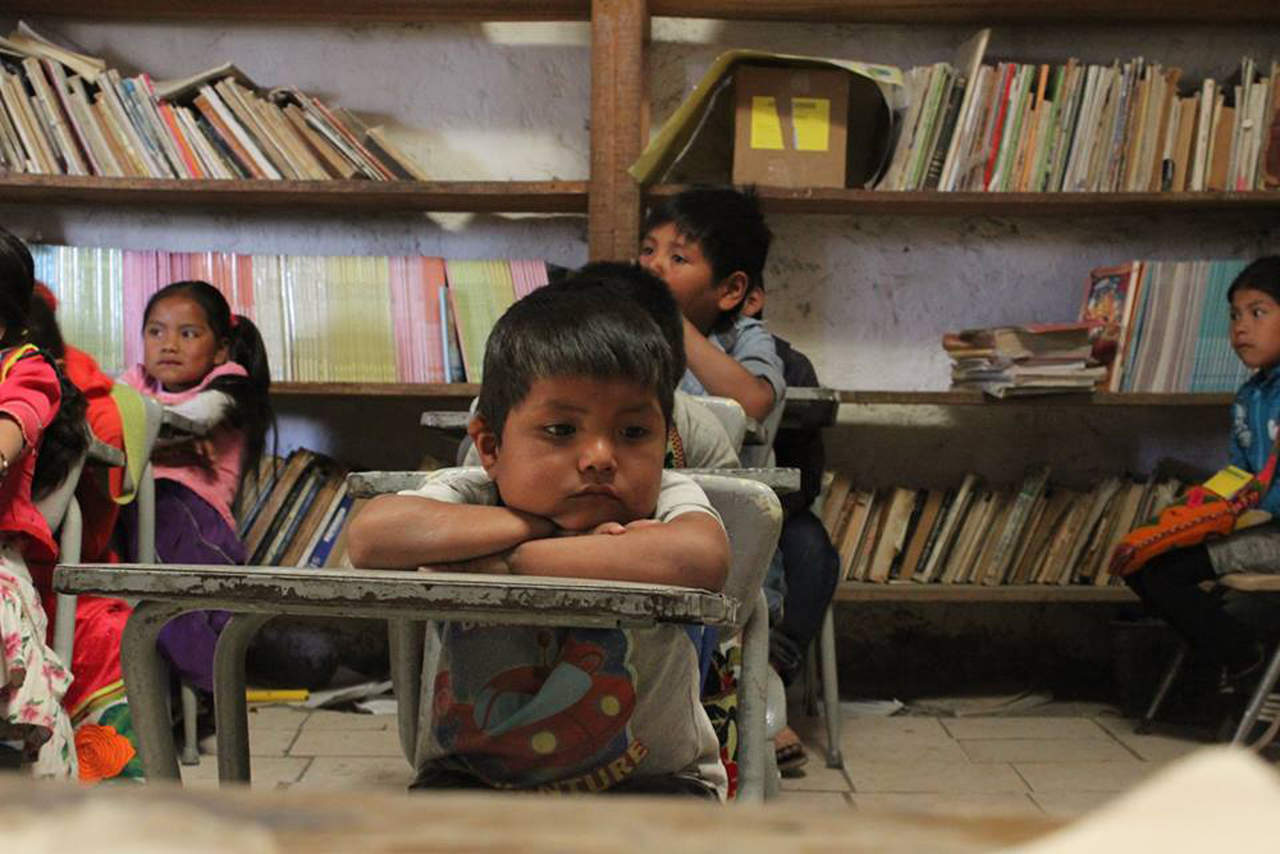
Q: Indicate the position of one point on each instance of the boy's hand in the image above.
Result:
(494, 564)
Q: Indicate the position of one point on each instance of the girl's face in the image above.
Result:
(1255, 328)
(178, 346)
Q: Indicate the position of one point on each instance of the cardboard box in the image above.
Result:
(790, 126)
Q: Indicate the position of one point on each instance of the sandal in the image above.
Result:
(788, 751)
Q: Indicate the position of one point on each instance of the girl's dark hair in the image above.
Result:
(251, 395)
(1262, 275)
(66, 438)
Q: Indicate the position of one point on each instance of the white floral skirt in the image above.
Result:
(32, 678)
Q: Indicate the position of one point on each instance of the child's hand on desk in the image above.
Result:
(494, 564)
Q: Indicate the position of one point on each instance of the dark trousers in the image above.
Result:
(811, 566)
(1169, 585)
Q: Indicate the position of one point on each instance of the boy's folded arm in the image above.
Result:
(406, 531)
(722, 375)
(691, 550)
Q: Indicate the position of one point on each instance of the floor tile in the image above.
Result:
(1164, 744)
(824, 800)
(815, 776)
(1044, 750)
(332, 772)
(1084, 776)
(951, 777)
(903, 739)
(325, 719)
(277, 717)
(266, 772)
(964, 728)
(322, 742)
(995, 803)
(1071, 804)
(262, 742)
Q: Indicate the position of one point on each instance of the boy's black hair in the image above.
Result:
(1262, 275)
(634, 282)
(728, 227)
(251, 395)
(66, 437)
(577, 328)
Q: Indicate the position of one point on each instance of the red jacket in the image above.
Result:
(30, 394)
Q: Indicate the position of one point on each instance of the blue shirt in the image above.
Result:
(1255, 415)
(751, 346)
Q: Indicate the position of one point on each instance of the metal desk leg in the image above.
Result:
(146, 681)
(752, 741)
(830, 690)
(230, 712)
(406, 641)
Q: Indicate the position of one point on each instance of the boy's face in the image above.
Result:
(579, 452)
(1255, 328)
(680, 263)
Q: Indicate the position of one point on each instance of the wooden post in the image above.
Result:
(618, 30)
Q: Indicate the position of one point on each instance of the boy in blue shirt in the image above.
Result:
(709, 245)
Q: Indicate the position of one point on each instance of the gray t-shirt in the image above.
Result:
(564, 709)
(751, 345)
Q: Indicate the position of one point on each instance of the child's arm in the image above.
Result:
(206, 410)
(29, 399)
(406, 531)
(691, 550)
(722, 375)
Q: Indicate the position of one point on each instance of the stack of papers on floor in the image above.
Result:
(1035, 358)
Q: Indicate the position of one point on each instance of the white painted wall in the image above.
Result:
(866, 297)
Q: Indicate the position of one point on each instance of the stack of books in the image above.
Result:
(1036, 358)
(295, 512)
(410, 319)
(1034, 532)
(1126, 127)
(1164, 326)
(66, 113)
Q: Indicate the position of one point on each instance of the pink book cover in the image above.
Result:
(400, 273)
(430, 284)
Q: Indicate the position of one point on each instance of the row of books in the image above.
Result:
(410, 319)
(1126, 127)
(1037, 358)
(1164, 326)
(66, 113)
(1032, 533)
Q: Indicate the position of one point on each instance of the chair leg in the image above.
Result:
(1166, 682)
(1259, 697)
(406, 642)
(190, 739)
(230, 712)
(147, 684)
(751, 704)
(830, 690)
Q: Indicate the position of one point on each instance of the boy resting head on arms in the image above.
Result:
(571, 429)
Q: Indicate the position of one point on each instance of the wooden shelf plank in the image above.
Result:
(449, 395)
(465, 196)
(975, 11)
(909, 592)
(823, 200)
(976, 398)
(312, 11)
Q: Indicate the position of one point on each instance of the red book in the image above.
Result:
(1010, 71)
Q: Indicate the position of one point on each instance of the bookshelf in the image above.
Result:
(861, 591)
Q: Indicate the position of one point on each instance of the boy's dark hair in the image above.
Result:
(251, 395)
(1262, 275)
(577, 328)
(66, 437)
(726, 224)
(636, 283)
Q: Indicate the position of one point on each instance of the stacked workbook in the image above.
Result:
(1164, 326)
(333, 318)
(1036, 358)
(1132, 126)
(1029, 533)
(66, 113)
(295, 511)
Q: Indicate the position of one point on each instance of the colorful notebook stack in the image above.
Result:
(1037, 358)
(330, 318)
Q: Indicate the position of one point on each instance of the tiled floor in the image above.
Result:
(1062, 763)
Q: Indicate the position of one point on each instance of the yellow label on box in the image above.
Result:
(811, 118)
(1228, 482)
(766, 127)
